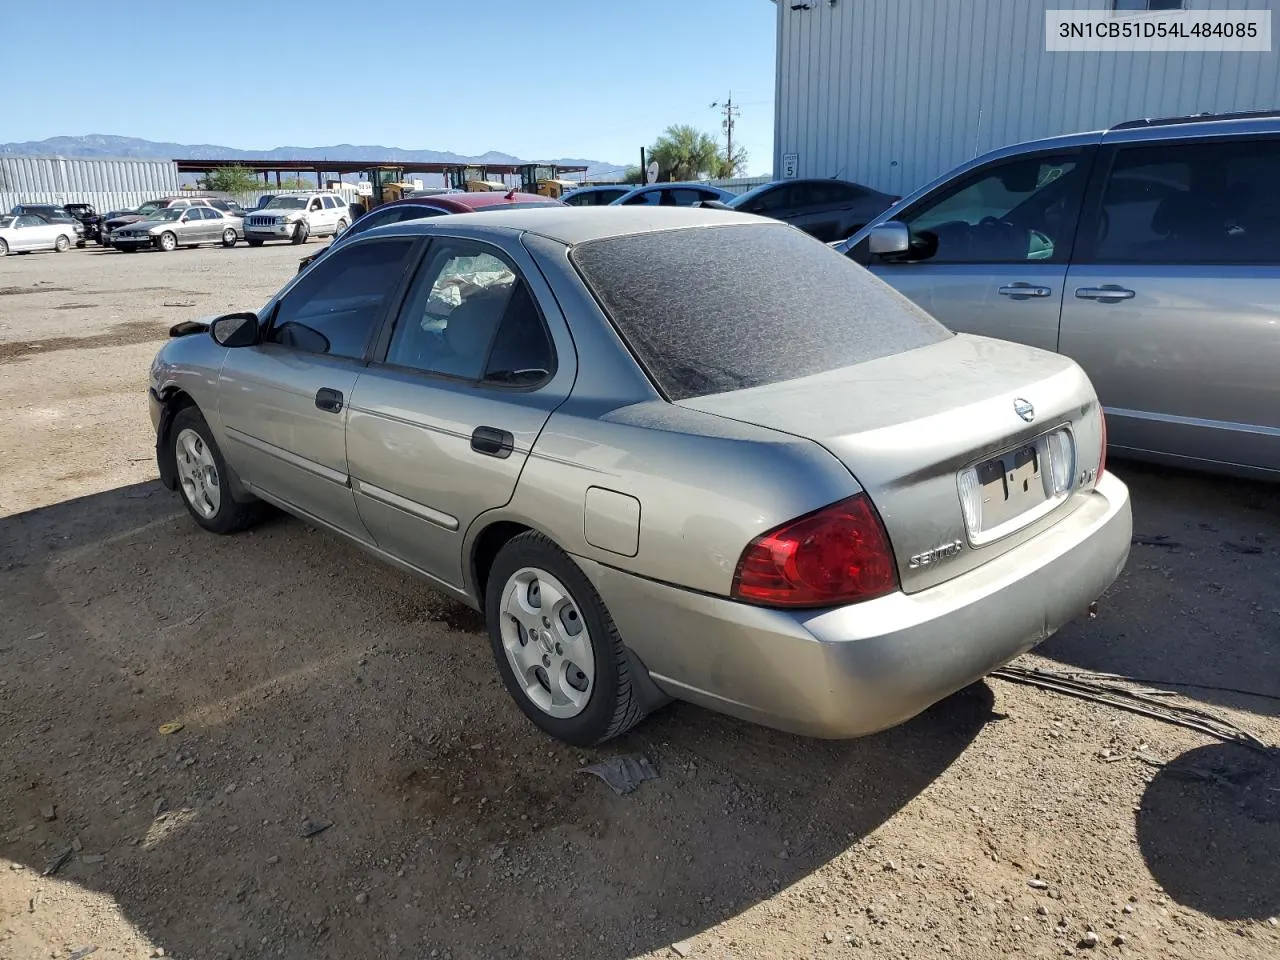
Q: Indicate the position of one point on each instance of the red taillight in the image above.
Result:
(1102, 457)
(839, 554)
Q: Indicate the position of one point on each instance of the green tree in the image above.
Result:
(633, 174)
(684, 153)
(231, 179)
(727, 168)
(295, 183)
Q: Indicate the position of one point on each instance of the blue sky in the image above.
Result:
(569, 78)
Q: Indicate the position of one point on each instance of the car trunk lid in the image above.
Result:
(970, 420)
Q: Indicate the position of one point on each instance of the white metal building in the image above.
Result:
(892, 93)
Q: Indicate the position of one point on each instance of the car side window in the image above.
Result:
(648, 198)
(219, 205)
(315, 205)
(845, 192)
(335, 307)
(1019, 210)
(328, 203)
(470, 315)
(211, 214)
(29, 220)
(770, 201)
(1191, 203)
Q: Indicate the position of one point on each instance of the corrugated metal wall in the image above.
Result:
(893, 93)
(107, 184)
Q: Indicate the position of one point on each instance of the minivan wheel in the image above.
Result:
(201, 474)
(556, 646)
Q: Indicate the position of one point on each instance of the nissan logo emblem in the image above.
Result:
(1024, 409)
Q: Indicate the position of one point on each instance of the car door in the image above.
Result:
(36, 233)
(199, 225)
(442, 421)
(215, 222)
(989, 249)
(1173, 298)
(284, 403)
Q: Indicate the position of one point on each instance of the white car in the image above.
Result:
(297, 216)
(26, 232)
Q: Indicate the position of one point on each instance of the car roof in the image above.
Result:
(626, 187)
(572, 225)
(473, 200)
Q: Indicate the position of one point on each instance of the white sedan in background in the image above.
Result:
(24, 233)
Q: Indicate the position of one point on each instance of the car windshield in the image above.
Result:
(287, 203)
(147, 208)
(712, 309)
(168, 213)
(6, 222)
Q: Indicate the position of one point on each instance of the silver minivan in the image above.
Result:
(1149, 253)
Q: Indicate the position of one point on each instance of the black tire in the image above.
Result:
(167, 242)
(613, 706)
(229, 237)
(80, 244)
(62, 244)
(254, 243)
(340, 229)
(300, 233)
(231, 515)
(4, 249)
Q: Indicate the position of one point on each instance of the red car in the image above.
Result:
(434, 205)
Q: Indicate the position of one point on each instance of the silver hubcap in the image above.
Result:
(547, 643)
(198, 473)
(229, 237)
(168, 242)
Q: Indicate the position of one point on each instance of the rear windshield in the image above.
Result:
(718, 308)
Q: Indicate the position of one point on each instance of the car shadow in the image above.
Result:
(273, 744)
(1198, 601)
(1209, 829)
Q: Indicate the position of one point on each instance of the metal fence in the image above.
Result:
(107, 184)
(739, 184)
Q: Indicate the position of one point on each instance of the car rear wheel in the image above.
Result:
(301, 232)
(62, 244)
(4, 249)
(168, 242)
(557, 649)
(201, 470)
(228, 237)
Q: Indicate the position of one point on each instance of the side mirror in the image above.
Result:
(889, 238)
(235, 330)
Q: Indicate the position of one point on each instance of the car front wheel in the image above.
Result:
(62, 244)
(202, 473)
(300, 233)
(168, 242)
(556, 646)
(4, 249)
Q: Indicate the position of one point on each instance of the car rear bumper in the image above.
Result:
(862, 668)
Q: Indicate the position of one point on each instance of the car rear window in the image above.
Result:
(712, 309)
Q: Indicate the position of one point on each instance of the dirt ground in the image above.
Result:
(315, 687)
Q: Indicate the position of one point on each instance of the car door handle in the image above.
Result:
(492, 442)
(329, 400)
(1022, 291)
(1107, 293)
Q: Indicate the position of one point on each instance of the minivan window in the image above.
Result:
(744, 305)
(1023, 209)
(1212, 202)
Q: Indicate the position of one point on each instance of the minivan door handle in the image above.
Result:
(1107, 293)
(1023, 291)
(493, 442)
(329, 400)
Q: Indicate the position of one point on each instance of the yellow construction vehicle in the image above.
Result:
(385, 184)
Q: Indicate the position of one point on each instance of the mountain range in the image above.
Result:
(105, 146)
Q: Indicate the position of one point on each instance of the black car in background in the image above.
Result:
(52, 213)
(88, 218)
(826, 209)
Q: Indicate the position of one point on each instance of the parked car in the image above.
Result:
(88, 218)
(174, 227)
(23, 233)
(298, 216)
(115, 222)
(1149, 253)
(54, 214)
(596, 196)
(672, 195)
(420, 206)
(827, 209)
(824, 525)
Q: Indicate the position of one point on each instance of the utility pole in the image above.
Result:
(731, 113)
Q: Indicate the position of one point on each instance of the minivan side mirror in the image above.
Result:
(890, 237)
(235, 330)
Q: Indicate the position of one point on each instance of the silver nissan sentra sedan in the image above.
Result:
(669, 453)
